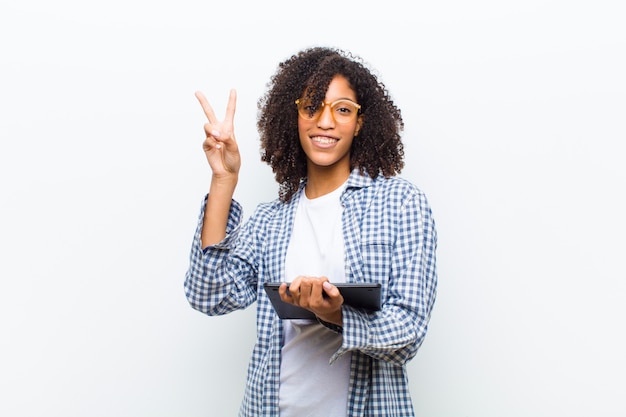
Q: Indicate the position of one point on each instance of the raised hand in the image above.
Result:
(222, 152)
(220, 146)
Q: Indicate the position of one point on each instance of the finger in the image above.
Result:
(211, 133)
(230, 108)
(306, 292)
(210, 143)
(331, 291)
(295, 290)
(317, 291)
(284, 295)
(208, 129)
(206, 107)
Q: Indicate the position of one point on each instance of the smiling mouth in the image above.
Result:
(324, 140)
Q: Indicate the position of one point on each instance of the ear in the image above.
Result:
(359, 123)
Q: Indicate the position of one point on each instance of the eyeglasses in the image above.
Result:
(343, 111)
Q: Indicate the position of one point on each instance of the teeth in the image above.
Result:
(323, 140)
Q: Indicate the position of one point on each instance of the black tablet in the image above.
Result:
(359, 295)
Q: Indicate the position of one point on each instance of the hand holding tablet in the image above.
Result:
(359, 295)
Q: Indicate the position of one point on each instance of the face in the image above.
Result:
(325, 141)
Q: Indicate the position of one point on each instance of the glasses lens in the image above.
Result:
(344, 111)
(307, 110)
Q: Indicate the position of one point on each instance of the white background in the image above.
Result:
(515, 129)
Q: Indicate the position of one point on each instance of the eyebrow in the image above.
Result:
(342, 98)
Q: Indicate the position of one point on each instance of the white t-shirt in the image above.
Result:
(309, 385)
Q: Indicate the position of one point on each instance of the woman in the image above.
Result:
(331, 134)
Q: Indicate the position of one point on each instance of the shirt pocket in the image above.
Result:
(377, 255)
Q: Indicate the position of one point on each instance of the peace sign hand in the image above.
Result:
(220, 145)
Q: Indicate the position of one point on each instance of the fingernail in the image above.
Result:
(215, 133)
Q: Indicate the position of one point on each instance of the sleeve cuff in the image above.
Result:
(331, 326)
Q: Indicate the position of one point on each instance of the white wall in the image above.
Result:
(515, 129)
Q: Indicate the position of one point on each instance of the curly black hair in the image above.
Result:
(377, 151)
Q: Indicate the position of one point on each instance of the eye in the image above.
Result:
(308, 106)
(344, 107)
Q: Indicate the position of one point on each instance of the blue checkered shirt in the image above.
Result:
(390, 238)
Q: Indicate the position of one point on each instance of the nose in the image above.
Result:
(326, 119)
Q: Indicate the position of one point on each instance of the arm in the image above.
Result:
(210, 282)
(395, 333)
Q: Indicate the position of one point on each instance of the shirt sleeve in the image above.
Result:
(217, 281)
(395, 333)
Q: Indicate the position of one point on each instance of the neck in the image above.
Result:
(322, 182)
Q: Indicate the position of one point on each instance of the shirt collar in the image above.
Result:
(358, 179)
(355, 180)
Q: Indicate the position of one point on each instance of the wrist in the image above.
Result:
(225, 184)
(331, 326)
(335, 318)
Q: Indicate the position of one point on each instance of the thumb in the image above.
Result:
(330, 289)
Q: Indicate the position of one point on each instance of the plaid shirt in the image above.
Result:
(389, 237)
